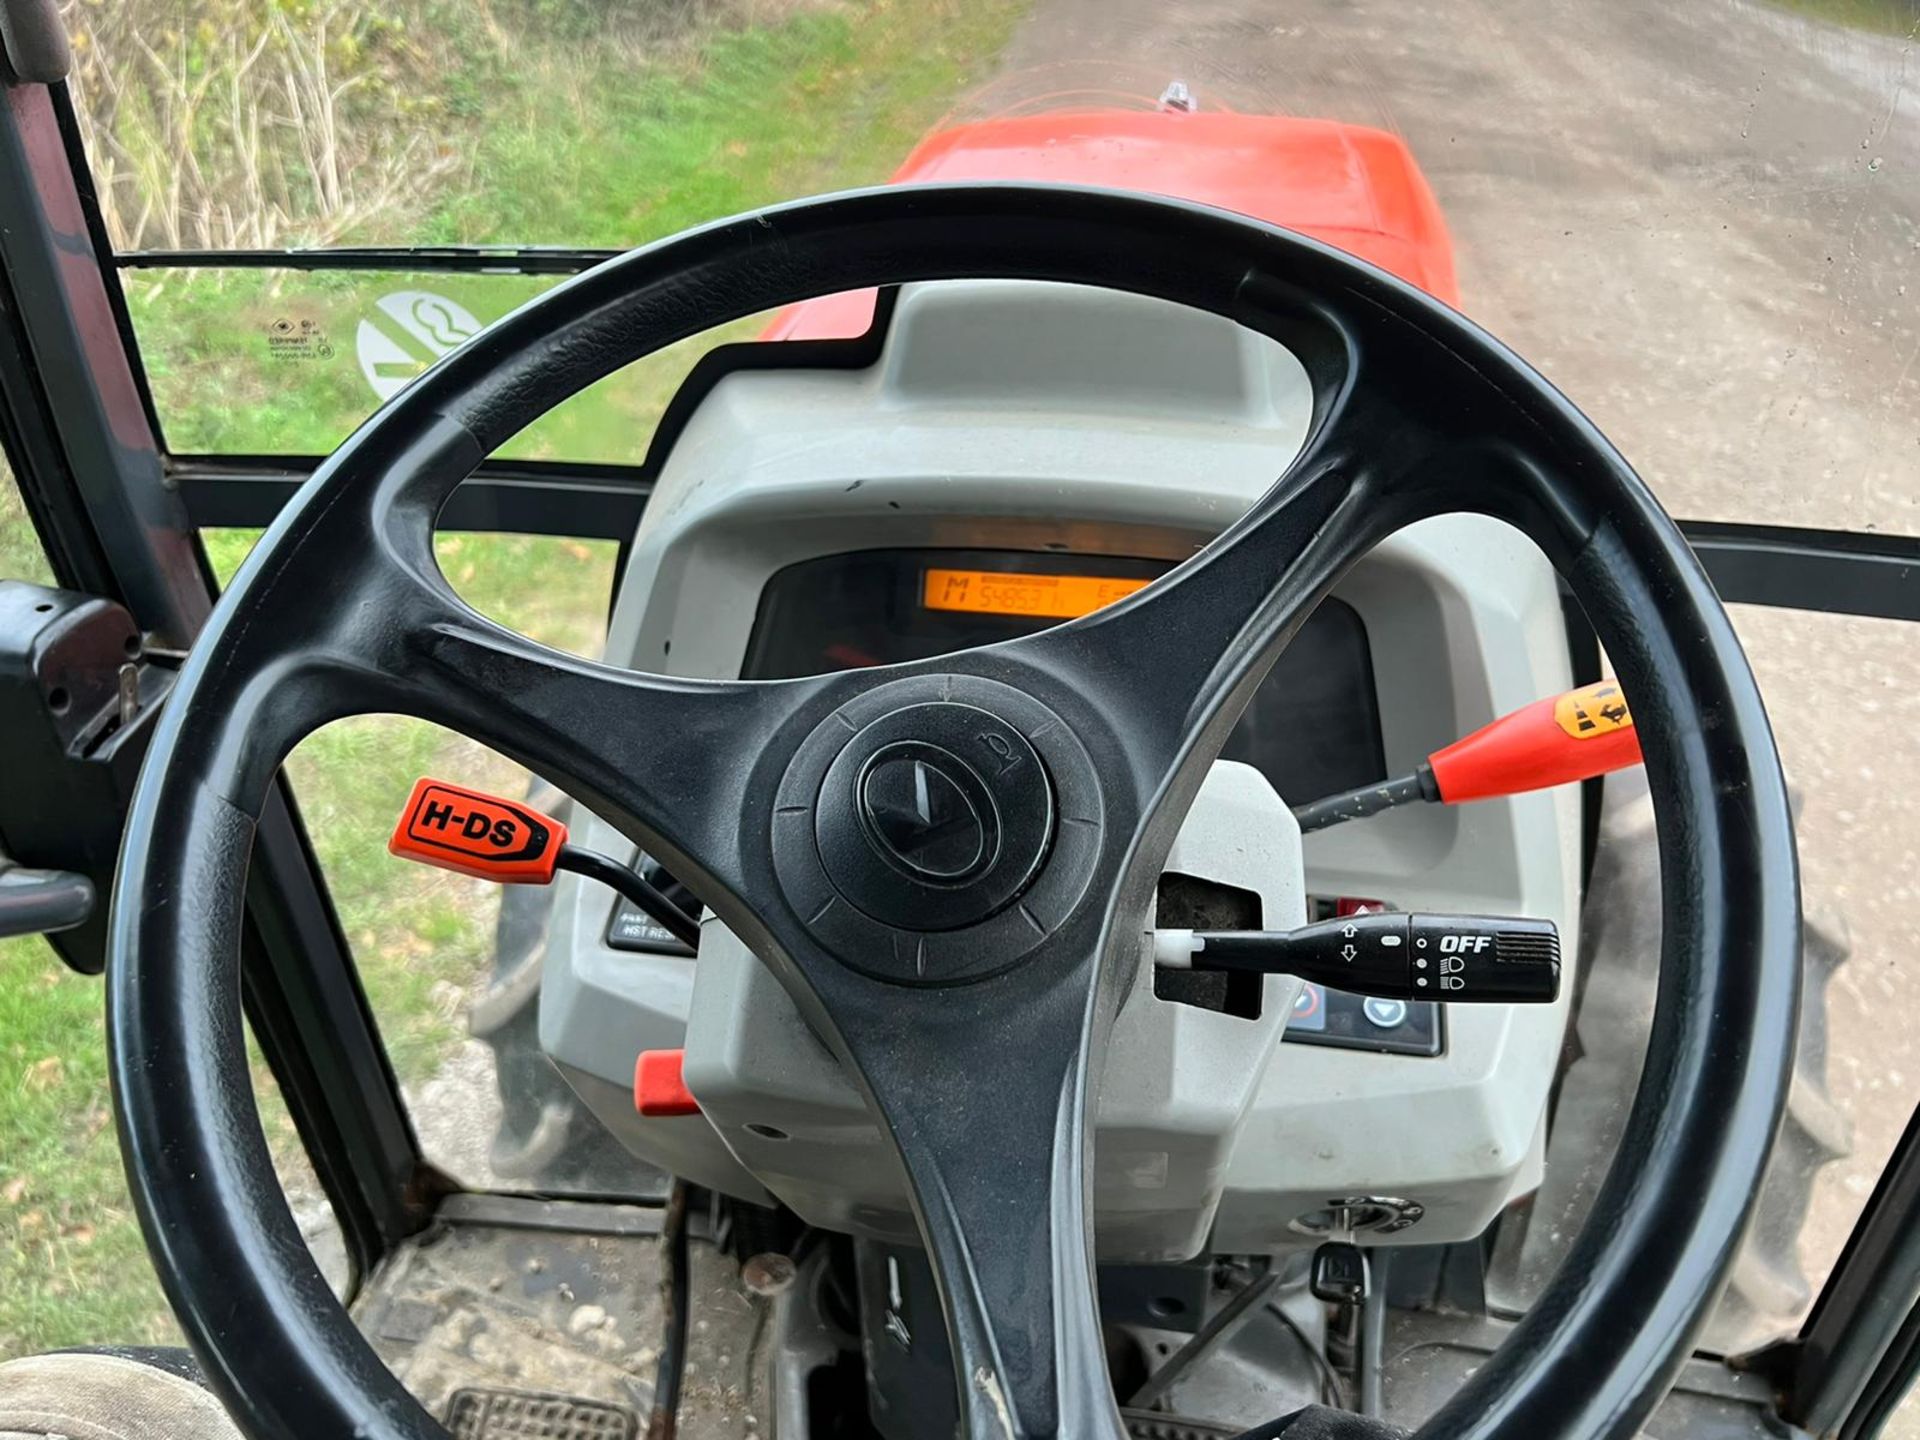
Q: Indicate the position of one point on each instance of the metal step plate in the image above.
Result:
(1151, 1425)
(490, 1414)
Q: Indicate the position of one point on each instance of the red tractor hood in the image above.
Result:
(1347, 185)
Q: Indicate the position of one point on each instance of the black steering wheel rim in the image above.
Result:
(281, 656)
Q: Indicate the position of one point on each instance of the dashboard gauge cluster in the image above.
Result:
(1313, 727)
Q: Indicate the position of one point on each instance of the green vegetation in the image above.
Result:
(75, 1269)
(580, 152)
(532, 121)
(1886, 17)
(423, 937)
(20, 554)
(207, 338)
(69, 1246)
(64, 1222)
(835, 96)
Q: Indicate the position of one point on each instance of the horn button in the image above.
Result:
(936, 829)
(928, 814)
(934, 816)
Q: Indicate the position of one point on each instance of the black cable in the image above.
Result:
(682, 926)
(1418, 788)
(673, 1304)
(1225, 1321)
(1332, 1389)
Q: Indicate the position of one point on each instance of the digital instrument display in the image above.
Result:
(1313, 727)
(1019, 592)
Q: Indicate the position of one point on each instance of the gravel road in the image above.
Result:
(1702, 222)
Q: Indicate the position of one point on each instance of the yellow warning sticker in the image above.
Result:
(1593, 710)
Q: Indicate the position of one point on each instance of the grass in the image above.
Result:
(572, 146)
(595, 156)
(205, 338)
(20, 555)
(834, 97)
(424, 936)
(70, 1249)
(1885, 17)
(75, 1268)
(64, 1222)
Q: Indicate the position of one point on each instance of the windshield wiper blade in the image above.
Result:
(462, 259)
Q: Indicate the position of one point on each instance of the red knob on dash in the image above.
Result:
(658, 1086)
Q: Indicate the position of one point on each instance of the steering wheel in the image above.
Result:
(969, 993)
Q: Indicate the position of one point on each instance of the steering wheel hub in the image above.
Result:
(917, 806)
(934, 816)
(953, 825)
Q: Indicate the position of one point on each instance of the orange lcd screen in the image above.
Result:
(999, 592)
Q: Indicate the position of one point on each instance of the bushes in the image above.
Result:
(223, 123)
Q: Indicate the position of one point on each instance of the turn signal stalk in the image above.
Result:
(1456, 958)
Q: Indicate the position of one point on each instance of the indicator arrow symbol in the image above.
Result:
(1346, 952)
(1349, 931)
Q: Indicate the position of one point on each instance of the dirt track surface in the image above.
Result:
(1703, 223)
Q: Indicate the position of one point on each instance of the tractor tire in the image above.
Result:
(1619, 970)
(547, 1141)
(1768, 1291)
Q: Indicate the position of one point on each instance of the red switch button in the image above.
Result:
(658, 1088)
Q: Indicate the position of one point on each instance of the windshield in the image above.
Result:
(1705, 235)
(1701, 222)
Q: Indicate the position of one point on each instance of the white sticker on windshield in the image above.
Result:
(413, 329)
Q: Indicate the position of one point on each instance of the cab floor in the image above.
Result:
(523, 1303)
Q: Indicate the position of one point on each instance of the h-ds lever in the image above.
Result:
(1455, 958)
(511, 843)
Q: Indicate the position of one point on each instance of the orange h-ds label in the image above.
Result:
(477, 834)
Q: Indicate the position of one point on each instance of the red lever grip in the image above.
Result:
(477, 834)
(1576, 736)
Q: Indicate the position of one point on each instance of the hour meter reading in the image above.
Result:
(1007, 592)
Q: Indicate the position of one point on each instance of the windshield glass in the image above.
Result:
(1702, 225)
(1701, 222)
(274, 361)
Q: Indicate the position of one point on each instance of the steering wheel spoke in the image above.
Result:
(1181, 658)
(666, 760)
(984, 1088)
